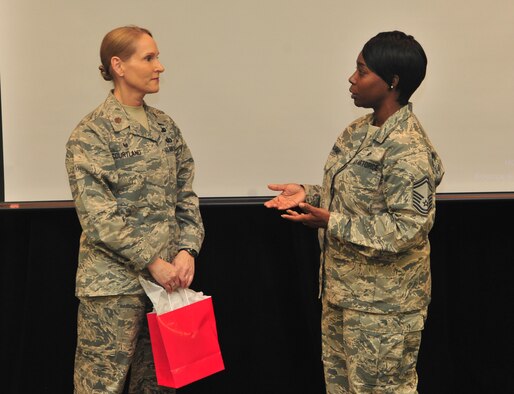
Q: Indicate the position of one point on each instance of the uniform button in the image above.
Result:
(163, 130)
(117, 120)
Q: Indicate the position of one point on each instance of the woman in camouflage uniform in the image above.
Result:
(131, 176)
(374, 211)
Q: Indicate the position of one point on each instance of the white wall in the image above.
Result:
(259, 88)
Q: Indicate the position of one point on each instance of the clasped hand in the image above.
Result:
(178, 273)
(293, 195)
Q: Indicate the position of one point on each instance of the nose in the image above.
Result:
(160, 68)
(352, 78)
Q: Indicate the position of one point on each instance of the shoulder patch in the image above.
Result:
(422, 196)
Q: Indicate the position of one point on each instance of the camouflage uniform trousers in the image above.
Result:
(370, 353)
(113, 338)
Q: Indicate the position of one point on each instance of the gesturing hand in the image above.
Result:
(311, 216)
(292, 195)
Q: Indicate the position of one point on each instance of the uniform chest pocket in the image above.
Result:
(361, 182)
(363, 174)
(169, 150)
(131, 166)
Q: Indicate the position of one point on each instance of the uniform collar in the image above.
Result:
(392, 122)
(119, 119)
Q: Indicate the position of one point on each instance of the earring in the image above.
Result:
(391, 87)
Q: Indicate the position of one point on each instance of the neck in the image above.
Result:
(383, 113)
(134, 100)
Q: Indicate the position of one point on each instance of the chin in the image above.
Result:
(361, 105)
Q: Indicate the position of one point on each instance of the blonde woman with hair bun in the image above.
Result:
(131, 175)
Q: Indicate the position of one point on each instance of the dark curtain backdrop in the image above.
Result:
(262, 274)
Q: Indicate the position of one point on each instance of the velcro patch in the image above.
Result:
(368, 165)
(422, 196)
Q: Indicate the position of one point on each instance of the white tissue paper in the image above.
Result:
(164, 302)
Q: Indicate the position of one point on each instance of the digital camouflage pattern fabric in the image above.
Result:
(113, 337)
(379, 186)
(133, 193)
(369, 352)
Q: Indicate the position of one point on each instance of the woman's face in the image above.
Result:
(367, 88)
(140, 72)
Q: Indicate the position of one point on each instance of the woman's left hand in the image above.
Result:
(311, 216)
(185, 264)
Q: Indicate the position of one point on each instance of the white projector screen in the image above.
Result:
(258, 88)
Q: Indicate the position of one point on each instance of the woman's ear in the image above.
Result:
(395, 81)
(117, 66)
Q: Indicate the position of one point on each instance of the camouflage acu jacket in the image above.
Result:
(133, 194)
(379, 186)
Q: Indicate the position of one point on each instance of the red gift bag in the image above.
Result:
(185, 344)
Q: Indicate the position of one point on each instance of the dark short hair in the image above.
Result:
(396, 53)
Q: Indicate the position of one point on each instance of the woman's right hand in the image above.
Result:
(292, 195)
(164, 273)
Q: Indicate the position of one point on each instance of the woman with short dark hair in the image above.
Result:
(374, 211)
(391, 54)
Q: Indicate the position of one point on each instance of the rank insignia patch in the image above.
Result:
(422, 196)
